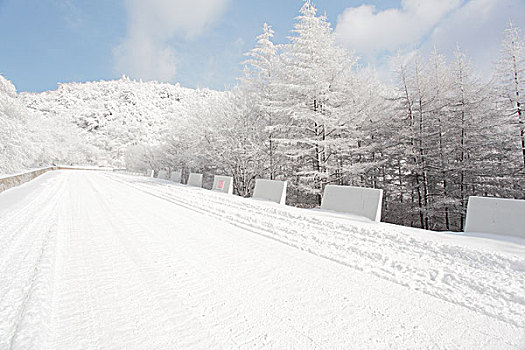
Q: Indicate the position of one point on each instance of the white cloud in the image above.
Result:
(476, 25)
(478, 28)
(145, 52)
(370, 32)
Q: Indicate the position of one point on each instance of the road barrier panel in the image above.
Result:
(195, 180)
(176, 176)
(360, 201)
(163, 174)
(496, 215)
(272, 190)
(223, 184)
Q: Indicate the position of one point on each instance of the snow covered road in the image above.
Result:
(94, 260)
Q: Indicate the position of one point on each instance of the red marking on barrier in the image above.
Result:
(220, 183)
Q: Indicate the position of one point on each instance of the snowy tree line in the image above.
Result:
(29, 140)
(305, 112)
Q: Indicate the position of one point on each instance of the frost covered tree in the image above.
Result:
(311, 87)
(510, 80)
(13, 133)
(418, 98)
(441, 136)
(467, 109)
(258, 83)
(223, 134)
(29, 139)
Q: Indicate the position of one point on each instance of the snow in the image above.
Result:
(272, 190)
(496, 215)
(105, 260)
(366, 202)
(195, 180)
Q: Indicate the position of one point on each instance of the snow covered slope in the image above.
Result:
(119, 113)
(100, 260)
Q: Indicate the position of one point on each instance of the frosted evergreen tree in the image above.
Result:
(258, 82)
(510, 77)
(13, 154)
(309, 82)
(440, 131)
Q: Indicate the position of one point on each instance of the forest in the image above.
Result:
(305, 111)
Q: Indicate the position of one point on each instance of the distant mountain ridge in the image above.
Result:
(113, 115)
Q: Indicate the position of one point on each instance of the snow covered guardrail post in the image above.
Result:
(195, 180)
(176, 176)
(496, 215)
(152, 173)
(272, 190)
(354, 200)
(223, 184)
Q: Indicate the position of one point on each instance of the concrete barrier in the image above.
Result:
(176, 176)
(354, 200)
(163, 174)
(223, 184)
(79, 167)
(195, 180)
(496, 215)
(9, 181)
(272, 190)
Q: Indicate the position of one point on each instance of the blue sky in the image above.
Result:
(200, 43)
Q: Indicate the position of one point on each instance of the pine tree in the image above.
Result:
(309, 81)
(259, 83)
(471, 132)
(510, 77)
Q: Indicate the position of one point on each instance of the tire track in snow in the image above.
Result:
(28, 269)
(125, 272)
(200, 279)
(481, 281)
(117, 308)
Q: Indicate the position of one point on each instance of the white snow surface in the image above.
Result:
(93, 260)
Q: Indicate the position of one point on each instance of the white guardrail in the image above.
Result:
(8, 181)
(13, 180)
